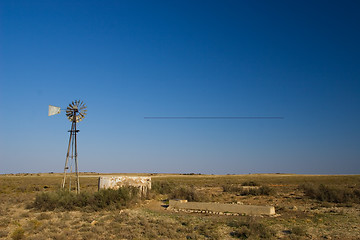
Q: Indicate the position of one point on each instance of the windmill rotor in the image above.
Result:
(76, 111)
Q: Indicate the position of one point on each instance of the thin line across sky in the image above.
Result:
(214, 117)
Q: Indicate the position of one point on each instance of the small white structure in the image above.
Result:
(115, 182)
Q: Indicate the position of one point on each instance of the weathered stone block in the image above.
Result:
(223, 208)
(115, 182)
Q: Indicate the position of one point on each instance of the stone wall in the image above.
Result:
(115, 182)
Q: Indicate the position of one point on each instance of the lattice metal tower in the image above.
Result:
(75, 112)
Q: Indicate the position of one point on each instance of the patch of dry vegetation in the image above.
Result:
(248, 188)
(18, 234)
(189, 193)
(331, 211)
(331, 194)
(250, 228)
(123, 197)
(162, 186)
(250, 183)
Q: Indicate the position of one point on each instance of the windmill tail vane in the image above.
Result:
(75, 112)
(53, 110)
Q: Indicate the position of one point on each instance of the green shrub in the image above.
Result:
(59, 199)
(123, 197)
(105, 198)
(163, 187)
(178, 192)
(188, 193)
(331, 194)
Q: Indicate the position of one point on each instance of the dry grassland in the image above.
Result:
(299, 216)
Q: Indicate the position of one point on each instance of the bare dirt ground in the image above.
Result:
(297, 215)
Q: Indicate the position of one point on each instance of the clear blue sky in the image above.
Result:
(131, 59)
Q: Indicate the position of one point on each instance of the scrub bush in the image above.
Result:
(331, 194)
(263, 190)
(19, 233)
(106, 198)
(249, 228)
(250, 183)
(188, 193)
(162, 187)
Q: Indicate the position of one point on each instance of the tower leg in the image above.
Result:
(67, 155)
(76, 164)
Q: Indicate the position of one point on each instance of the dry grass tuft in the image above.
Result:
(19, 233)
(249, 228)
(43, 216)
(297, 230)
(3, 233)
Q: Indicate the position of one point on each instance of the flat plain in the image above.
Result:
(307, 207)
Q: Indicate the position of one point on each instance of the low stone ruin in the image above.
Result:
(220, 208)
(115, 182)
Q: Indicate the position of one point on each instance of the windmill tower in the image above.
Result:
(75, 112)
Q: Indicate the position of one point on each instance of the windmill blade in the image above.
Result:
(78, 118)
